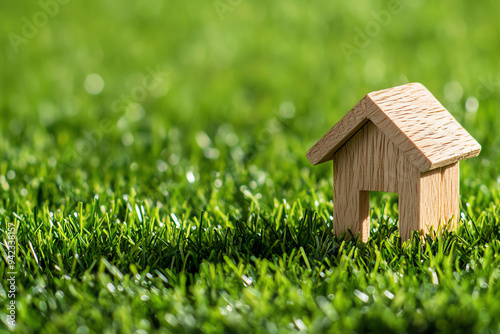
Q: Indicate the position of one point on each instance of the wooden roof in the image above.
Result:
(413, 119)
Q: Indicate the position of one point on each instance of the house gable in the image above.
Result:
(426, 200)
(357, 171)
(368, 171)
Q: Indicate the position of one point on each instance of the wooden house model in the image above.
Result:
(399, 140)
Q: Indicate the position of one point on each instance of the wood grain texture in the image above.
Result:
(426, 200)
(364, 214)
(412, 118)
(357, 172)
(399, 140)
(409, 200)
(421, 127)
(347, 207)
(439, 198)
(430, 201)
(450, 194)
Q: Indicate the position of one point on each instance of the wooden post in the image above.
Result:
(439, 198)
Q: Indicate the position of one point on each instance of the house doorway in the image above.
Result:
(384, 211)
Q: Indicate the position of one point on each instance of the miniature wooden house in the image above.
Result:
(399, 140)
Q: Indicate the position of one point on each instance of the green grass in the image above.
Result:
(188, 205)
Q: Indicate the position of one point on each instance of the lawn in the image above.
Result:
(153, 167)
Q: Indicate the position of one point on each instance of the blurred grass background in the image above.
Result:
(237, 68)
(244, 89)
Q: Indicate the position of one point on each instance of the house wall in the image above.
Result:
(369, 161)
(439, 197)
